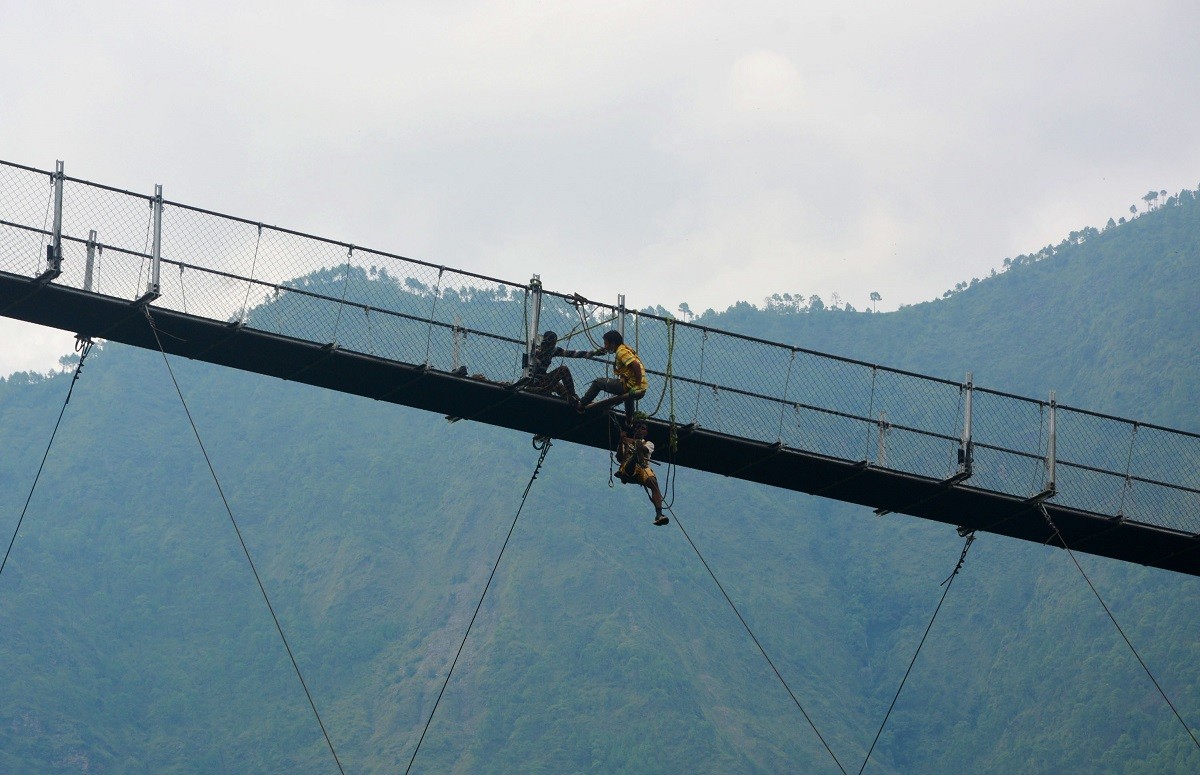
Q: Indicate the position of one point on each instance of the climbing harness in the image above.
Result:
(83, 346)
(545, 447)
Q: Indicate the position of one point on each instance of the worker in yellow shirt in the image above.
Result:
(630, 383)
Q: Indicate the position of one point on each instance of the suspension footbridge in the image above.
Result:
(107, 263)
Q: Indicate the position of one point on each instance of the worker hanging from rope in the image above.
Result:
(543, 379)
(629, 385)
(633, 465)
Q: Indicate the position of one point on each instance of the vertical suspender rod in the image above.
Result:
(1051, 447)
(531, 334)
(966, 449)
(89, 267)
(154, 288)
(54, 249)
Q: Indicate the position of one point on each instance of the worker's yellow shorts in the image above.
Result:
(643, 475)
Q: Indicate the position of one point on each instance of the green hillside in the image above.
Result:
(136, 640)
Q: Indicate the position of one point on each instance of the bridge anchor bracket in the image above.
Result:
(46, 277)
(145, 299)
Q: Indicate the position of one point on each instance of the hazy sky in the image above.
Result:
(703, 152)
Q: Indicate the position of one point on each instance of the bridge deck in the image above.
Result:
(325, 366)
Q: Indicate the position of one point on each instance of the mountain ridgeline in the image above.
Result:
(136, 639)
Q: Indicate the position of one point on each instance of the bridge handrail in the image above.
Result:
(840, 407)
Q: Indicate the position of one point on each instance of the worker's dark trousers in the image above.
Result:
(558, 375)
(617, 388)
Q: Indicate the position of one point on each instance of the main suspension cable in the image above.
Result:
(754, 638)
(544, 443)
(83, 346)
(242, 541)
(970, 539)
(1129, 643)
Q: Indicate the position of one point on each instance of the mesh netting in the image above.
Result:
(296, 285)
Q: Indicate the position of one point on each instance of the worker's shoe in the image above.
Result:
(661, 519)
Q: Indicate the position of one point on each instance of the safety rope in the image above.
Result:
(1153, 680)
(241, 540)
(672, 446)
(612, 454)
(586, 327)
(83, 346)
(668, 372)
(754, 638)
(970, 539)
(542, 443)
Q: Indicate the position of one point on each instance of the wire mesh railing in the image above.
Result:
(297, 285)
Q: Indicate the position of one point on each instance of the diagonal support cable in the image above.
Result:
(1129, 643)
(545, 447)
(754, 638)
(83, 346)
(970, 539)
(242, 541)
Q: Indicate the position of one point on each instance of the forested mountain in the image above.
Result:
(135, 638)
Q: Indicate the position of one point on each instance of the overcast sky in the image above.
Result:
(703, 152)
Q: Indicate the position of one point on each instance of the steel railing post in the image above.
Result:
(458, 334)
(154, 288)
(54, 249)
(1051, 447)
(89, 267)
(966, 450)
(535, 319)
